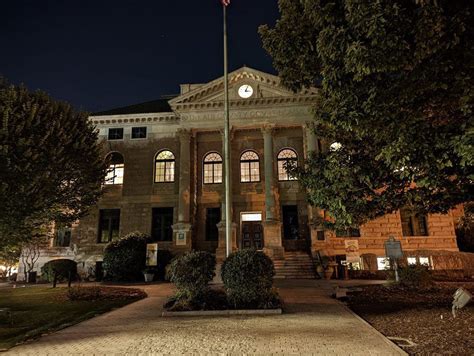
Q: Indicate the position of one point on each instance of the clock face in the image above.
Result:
(245, 91)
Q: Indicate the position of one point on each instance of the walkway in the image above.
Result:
(312, 323)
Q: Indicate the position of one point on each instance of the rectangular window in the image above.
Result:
(138, 132)
(164, 171)
(116, 134)
(161, 226)
(413, 224)
(63, 237)
(350, 232)
(423, 261)
(109, 225)
(320, 235)
(290, 222)
(213, 217)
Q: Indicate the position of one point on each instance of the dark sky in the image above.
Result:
(101, 54)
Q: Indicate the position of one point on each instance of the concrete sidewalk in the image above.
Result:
(313, 323)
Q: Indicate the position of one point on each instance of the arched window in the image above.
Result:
(249, 167)
(286, 158)
(212, 168)
(116, 169)
(164, 167)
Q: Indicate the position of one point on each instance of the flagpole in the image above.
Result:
(227, 170)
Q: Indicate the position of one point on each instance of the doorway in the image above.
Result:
(252, 230)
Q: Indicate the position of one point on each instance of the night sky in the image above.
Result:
(102, 54)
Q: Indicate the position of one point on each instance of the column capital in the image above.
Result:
(184, 134)
(231, 133)
(268, 129)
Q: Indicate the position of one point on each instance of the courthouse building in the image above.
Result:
(166, 180)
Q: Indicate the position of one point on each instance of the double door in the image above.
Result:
(252, 235)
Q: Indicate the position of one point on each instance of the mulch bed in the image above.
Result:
(422, 316)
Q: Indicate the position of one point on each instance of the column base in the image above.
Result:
(182, 236)
(272, 240)
(221, 247)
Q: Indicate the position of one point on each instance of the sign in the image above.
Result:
(393, 248)
(181, 238)
(151, 254)
(352, 251)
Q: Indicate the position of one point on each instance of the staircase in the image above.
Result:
(295, 265)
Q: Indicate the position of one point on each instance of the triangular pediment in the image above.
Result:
(264, 85)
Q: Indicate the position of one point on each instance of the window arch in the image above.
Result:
(249, 167)
(116, 169)
(164, 166)
(212, 168)
(286, 158)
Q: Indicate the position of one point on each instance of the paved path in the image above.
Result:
(312, 323)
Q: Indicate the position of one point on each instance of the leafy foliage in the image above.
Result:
(192, 272)
(415, 276)
(62, 268)
(395, 85)
(9, 256)
(51, 166)
(248, 280)
(125, 259)
(465, 229)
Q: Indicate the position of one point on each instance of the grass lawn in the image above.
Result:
(38, 310)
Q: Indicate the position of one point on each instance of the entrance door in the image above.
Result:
(252, 234)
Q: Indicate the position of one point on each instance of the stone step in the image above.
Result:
(295, 265)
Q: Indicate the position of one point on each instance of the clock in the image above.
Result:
(245, 91)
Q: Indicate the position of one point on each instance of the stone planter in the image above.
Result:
(328, 272)
(148, 277)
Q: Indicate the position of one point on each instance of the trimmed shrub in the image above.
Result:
(125, 259)
(415, 276)
(191, 273)
(248, 280)
(62, 268)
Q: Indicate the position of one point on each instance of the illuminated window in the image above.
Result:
(383, 263)
(164, 167)
(116, 169)
(249, 167)
(212, 168)
(413, 224)
(423, 261)
(286, 158)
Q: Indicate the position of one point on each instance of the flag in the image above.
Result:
(225, 2)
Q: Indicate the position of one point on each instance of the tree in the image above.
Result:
(30, 254)
(9, 257)
(51, 164)
(396, 92)
(465, 229)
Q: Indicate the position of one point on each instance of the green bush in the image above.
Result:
(415, 276)
(248, 280)
(125, 259)
(63, 268)
(191, 273)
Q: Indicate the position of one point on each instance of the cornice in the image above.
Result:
(167, 118)
(279, 100)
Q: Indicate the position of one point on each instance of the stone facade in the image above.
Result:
(270, 120)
